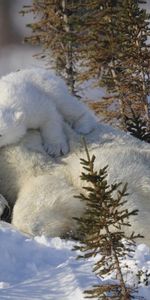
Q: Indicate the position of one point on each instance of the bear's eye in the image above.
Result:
(0, 135)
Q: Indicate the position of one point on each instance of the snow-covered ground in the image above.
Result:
(39, 268)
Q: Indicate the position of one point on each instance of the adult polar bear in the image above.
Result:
(36, 99)
(42, 189)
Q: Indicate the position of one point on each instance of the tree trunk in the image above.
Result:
(7, 32)
(69, 53)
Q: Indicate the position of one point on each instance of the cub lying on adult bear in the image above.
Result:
(42, 190)
(37, 99)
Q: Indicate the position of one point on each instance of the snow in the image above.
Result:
(43, 268)
(14, 58)
(40, 268)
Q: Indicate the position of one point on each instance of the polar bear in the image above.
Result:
(41, 189)
(37, 99)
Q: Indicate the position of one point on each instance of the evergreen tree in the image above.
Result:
(117, 54)
(53, 30)
(102, 40)
(101, 229)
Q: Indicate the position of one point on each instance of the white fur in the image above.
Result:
(36, 99)
(44, 189)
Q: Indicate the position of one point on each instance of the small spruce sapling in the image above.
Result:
(101, 230)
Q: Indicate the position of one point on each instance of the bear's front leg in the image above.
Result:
(54, 139)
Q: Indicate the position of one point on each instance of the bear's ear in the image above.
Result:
(18, 115)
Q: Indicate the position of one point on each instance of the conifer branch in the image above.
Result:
(101, 229)
(118, 56)
(137, 126)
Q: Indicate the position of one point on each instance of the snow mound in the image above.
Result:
(41, 268)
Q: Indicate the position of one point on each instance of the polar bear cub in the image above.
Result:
(37, 99)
